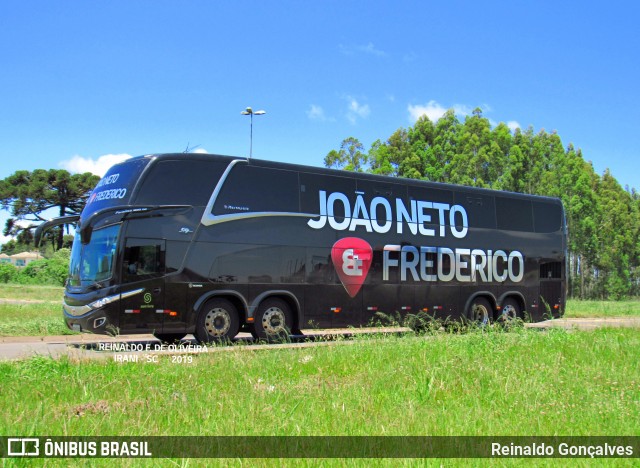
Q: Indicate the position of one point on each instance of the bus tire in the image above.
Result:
(273, 320)
(480, 312)
(511, 312)
(169, 338)
(218, 321)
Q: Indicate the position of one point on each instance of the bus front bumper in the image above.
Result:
(101, 320)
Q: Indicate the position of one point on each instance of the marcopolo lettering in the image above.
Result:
(416, 217)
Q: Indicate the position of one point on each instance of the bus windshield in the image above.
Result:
(93, 262)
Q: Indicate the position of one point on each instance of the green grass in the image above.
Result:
(582, 309)
(524, 382)
(518, 383)
(31, 292)
(580, 383)
(39, 315)
(32, 320)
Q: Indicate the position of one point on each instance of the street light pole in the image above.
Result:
(250, 112)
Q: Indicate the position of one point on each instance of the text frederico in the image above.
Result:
(445, 264)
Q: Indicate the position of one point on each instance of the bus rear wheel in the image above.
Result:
(480, 312)
(511, 312)
(218, 321)
(273, 321)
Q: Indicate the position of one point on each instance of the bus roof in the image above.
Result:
(342, 173)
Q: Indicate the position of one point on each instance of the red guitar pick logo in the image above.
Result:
(352, 259)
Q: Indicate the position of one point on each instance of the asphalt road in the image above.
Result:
(125, 348)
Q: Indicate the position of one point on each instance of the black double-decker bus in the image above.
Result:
(173, 244)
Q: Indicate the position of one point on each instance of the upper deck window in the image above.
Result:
(514, 214)
(180, 182)
(547, 216)
(254, 189)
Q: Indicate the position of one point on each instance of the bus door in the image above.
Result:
(551, 294)
(143, 285)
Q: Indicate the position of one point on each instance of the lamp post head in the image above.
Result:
(249, 111)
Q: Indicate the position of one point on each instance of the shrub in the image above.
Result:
(7, 272)
(51, 271)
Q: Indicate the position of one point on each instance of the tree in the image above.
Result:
(350, 157)
(27, 195)
(445, 148)
(617, 234)
(471, 163)
(603, 219)
(388, 158)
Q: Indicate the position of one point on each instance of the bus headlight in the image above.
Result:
(100, 303)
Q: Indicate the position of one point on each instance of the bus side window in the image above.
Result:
(143, 262)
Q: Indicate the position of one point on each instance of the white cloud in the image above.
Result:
(99, 166)
(368, 49)
(316, 113)
(4, 216)
(513, 125)
(461, 109)
(434, 110)
(356, 110)
(23, 223)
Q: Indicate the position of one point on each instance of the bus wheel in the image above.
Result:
(217, 321)
(273, 320)
(510, 312)
(479, 312)
(169, 338)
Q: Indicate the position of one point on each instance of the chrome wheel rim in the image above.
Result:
(480, 314)
(217, 322)
(273, 321)
(509, 313)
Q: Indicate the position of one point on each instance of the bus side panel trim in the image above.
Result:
(224, 292)
(512, 293)
(479, 293)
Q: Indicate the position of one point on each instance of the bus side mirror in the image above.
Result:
(85, 234)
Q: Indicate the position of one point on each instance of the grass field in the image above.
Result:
(491, 382)
(480, 383)
(32, 320)
(583, 309)
(31, 292)
(518, 383)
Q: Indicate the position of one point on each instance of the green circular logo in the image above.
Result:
(147, 298)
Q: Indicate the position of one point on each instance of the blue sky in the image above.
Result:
(81, 80)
